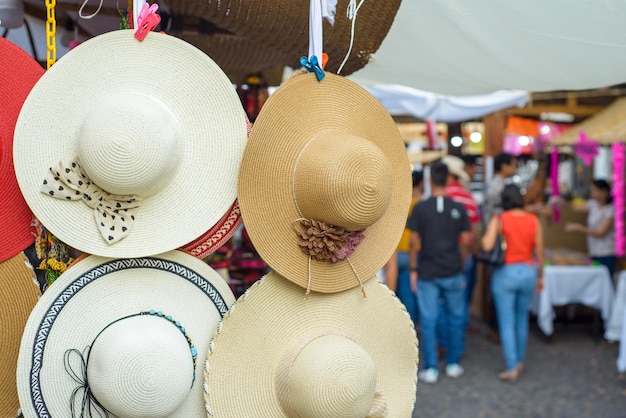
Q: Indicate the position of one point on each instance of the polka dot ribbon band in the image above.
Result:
(114, 214)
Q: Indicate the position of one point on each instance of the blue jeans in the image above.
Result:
(429, 292)
(403, 289)
(513, 287)
(469, 273)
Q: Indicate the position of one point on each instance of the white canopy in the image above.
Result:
(466, 47)
(402, 101)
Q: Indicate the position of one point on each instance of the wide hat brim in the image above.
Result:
(192, 88)
(18, 297)
(18, 74)
(291, 116)
(250, 342)
(217, 236)
(97, 291)
(221, 232)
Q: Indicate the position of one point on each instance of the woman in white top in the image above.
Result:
(599, 228)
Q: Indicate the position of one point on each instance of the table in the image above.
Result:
(614, 328)
(588, 285)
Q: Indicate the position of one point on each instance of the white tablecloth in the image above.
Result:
(587, 285)
(614, 327)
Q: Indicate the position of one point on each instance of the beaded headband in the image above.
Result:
(89, 404)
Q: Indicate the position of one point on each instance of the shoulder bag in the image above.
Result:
(495, 257)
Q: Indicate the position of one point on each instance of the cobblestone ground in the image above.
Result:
(570, 376)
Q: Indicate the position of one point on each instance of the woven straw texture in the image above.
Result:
(94, 293)
(282, 26)
(204, 155)
(295, 113)
(271, 323)
(239, 56)
(221, 232)
(18, 74)
(603, 127)
(18, 298)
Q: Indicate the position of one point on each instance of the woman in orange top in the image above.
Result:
(514, 283)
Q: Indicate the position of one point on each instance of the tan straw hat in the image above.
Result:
(123, 336)
(336, 355)
(18, 74)
(324, 169)
(456, 166)
(18, 298)
(127, 148)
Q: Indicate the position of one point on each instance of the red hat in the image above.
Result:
(18, 74)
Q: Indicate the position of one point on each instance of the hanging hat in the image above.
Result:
(217, 236)
(221, 232)
(17, 299)
(257, 34)
(18, 74)
(456, 166)
(127, 148)
(122, 336)
(325, 183)
(338, 355)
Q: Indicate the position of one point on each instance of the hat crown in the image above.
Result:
(331, 376)
(140, 366)
(455, 165)
(343, 180)
(128, 144)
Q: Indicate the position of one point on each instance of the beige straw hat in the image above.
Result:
(338, 355)
(153, 128)
(456, 166)
(324, 168)
(18, 298)
(18, 74)
(126, 336)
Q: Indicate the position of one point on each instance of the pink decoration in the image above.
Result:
(585, 148)
(550, 130)
(618, 197)
(554, 177)
(431, 134)
(353, 239)
(147, 20)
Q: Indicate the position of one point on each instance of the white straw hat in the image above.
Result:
(146, 136)
(126, 336)
(334, 355)
(221, 232)
(325, 183)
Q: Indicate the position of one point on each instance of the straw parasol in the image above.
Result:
(617, 134)
(282, 28)
(605, 127)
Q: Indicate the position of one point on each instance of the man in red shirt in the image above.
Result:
(455, 190)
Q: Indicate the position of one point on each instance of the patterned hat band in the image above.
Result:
(77, 364)
(114, 214)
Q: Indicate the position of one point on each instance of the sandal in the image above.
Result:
(509, 376)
